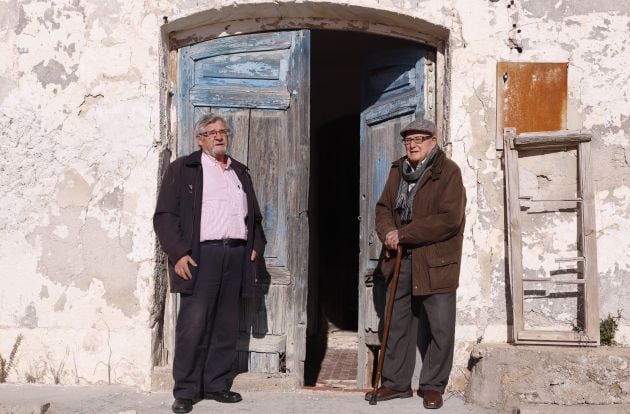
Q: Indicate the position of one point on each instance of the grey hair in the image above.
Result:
(207, 120)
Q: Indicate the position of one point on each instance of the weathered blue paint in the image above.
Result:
(257, 42)
(238, 97)
(247, 71)
(394, 85)
(185, 111)
(263, 65)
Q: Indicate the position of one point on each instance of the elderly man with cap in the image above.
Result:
(421, 208)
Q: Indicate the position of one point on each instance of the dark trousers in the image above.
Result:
(207, 324)
(427, 322)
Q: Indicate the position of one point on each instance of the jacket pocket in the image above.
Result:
(443, 272)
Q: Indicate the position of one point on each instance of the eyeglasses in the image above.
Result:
(418, 139)
(213, 134)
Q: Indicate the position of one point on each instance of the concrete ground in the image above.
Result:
(116, 399)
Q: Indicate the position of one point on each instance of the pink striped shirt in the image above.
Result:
(224, 203)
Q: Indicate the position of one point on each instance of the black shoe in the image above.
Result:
(182, 405)
(224, 396)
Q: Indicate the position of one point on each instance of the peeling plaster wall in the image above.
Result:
(80, 125)
(79, 118)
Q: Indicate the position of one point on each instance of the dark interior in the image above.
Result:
(336, 82)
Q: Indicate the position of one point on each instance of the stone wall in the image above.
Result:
(505, 376)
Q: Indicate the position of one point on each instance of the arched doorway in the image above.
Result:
(276, 331)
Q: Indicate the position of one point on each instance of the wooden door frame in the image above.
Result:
(188, 30)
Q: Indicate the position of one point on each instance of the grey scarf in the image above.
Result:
(404, 199)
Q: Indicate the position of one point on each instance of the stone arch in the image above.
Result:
(203, 24)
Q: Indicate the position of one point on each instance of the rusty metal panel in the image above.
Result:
(531, 97)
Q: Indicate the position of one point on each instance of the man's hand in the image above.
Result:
(181, 267)
(254, 255)
(391, 240)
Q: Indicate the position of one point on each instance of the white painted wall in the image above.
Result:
(80, 116)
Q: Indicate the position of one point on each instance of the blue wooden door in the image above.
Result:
(260, 84)
(393, 94)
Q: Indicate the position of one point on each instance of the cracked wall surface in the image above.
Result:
(80, 139)
(78, 115)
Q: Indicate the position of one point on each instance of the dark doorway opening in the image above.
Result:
(337, 60)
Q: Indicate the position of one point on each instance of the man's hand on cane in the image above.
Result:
(391, 241)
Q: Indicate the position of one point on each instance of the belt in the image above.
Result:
(224, 242)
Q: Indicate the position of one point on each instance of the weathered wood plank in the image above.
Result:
(398, 106)
(268, 153)
(534, 200)
(430, 87)
(589, 242)
(256, 42)
(515, 251)
(185, 140)
(239, 97)
(264, 362)
(260, 362)
(267, 343)
(261, 65)
(556, 336)
(537, 140)
(442, 95)
(267, 312)
(277, 275)
(569, 259)
(551, 280)
(297, 199)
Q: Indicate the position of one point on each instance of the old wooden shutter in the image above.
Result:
(393, 95)
(260, 84)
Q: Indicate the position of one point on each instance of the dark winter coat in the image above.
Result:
(435, 233)
(177, 220)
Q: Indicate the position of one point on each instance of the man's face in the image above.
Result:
(418, 146)
(213, 139)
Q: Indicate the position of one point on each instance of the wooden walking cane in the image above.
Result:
(388, 321)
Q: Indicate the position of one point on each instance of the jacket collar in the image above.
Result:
(435, 169)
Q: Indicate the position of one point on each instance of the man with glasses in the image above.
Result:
(208, 222)
(421, 208)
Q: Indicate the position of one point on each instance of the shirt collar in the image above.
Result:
(213, 161)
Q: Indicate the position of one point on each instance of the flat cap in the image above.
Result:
(419, 125)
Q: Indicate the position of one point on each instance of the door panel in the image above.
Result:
(260, 84)
(243, 71)
(392, 96)
(268, 153)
